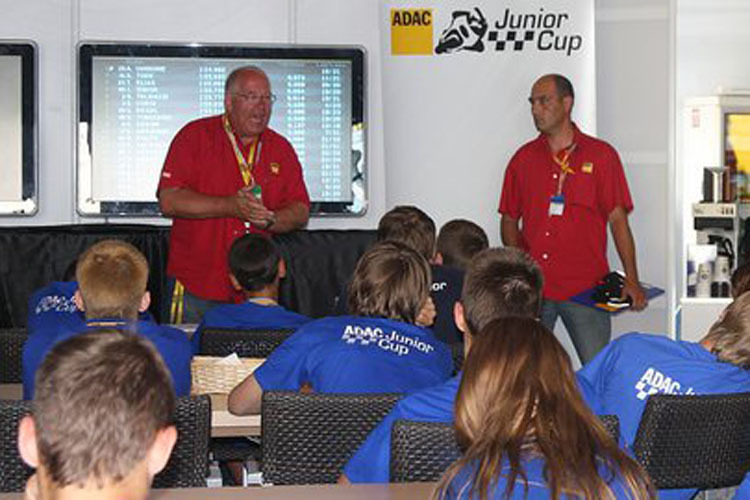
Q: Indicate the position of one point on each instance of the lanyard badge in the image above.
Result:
(556, 205)
(245, 165)
(562, 159)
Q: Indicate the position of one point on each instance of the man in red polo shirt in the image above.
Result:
(566, 186)
(224, 176)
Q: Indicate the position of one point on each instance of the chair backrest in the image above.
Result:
(457, 353)
(247, 343)
(308, 438)
(188, 464)
(13, 471)
(11, 348)
(695, 441)
(421, 451)
(612, 424)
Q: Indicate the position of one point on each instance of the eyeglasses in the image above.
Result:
(254, 98)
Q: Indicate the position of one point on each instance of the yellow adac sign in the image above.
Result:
(411, 31)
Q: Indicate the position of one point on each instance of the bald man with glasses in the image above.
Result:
(225, 176)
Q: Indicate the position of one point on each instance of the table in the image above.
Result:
(223, 423)
(405, 491)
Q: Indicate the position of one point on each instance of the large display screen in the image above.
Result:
(134, 98)
(17, 129)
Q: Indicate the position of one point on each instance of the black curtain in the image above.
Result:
(319, 263)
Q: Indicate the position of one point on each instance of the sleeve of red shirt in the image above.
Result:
(510, 198)
(613, 187)
(178, 166)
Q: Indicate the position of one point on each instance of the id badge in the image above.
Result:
(556, 205)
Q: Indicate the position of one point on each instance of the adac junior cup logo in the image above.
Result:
(469, 31)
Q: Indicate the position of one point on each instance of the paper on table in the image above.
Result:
(230, 360)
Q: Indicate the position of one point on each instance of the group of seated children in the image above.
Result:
(525, 421)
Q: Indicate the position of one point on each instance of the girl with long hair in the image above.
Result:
(525, 429)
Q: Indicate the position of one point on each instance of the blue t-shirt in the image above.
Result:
(460, 486)
(357, 354)
(634, 366)
(446, 291)
(743, 492)
(248, 315)
(372, 461)
(172, 344)
(52, 306)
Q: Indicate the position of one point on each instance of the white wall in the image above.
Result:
(633, 94)
(634, 73)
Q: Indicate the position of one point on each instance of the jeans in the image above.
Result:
(193, 308)
(589, 329)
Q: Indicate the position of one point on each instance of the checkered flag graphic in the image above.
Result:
(363, 337)
(511, 37)
(643, 391)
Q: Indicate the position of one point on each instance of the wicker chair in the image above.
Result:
(457, 353)
(187, 466)
(698, 442)
(11, 348)
(248, 343)
(13, 471)
(421, 451)
(308, 438)
(612, 424)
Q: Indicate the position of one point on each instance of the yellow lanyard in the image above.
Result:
(245, 166)
(563, 162)
(263, 301)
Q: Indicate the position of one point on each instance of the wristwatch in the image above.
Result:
(270, 221)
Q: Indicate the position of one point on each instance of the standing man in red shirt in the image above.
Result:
(225, 176)
(566, 187)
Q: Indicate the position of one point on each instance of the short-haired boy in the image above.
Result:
(102, 419)
(256, 269)
(112, 277)
(458, 241)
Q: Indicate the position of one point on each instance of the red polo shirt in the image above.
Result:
(570, 248)
(201, 158)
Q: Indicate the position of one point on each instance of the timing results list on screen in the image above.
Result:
(140, 104)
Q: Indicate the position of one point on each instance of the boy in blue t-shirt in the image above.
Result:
(631, 368)
(256, 269)
(378, 349)
(112, 277)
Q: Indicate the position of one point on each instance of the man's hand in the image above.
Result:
(426, 316)
(618, 223)
(251, 209)
(632, 290)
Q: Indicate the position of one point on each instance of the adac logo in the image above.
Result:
(411, 31)
(542, 30)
